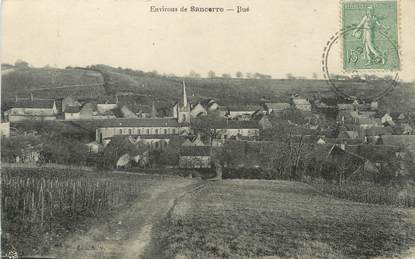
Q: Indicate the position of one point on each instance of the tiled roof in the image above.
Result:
(278, 106)
(195, 151)
(72, 109)
(142, 122)
(154, 136)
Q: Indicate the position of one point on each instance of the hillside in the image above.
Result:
(50, 83)
(255, 219)
(102, 80)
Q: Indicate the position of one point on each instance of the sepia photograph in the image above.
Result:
(207, 129)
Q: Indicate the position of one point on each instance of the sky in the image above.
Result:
(275, 37)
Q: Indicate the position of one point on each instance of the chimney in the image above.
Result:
(31, 97)
(116, 99)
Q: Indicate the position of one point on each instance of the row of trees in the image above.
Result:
(239, 74)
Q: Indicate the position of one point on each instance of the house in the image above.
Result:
(32, 109)
(5, 129)
(194, 141)
(241, 112)
(276, 107)
(89, 111)
(103, 108)
(301, 104)
(203, 106)
(139, 127)
(387, 119)
(198, 110)
(153, 142)
(69, 102)
(94, 147)
(209, 104)
(72, 113)
(194, 157)
(236, 129)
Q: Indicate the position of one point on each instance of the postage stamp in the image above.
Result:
(370, 35)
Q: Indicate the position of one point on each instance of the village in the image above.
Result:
(121, 133)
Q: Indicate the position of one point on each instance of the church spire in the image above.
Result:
(153, 110)
(184, 95)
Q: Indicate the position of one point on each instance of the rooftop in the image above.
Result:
(142, 122)
(36, 103)
(234, 124)
(240, 108)
(195, 151)
(72, 109)
(278, 106)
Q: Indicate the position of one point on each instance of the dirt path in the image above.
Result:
(129, 233)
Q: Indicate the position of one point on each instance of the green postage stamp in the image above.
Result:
(370, 35)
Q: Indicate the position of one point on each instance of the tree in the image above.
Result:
(193, 74)
(239, 74)
(170, 155)
(211, 74)
(290, 76)
(226, 75)
(314, 75)
(21, 63)
(206, 126)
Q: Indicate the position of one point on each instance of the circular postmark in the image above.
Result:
(358, 84)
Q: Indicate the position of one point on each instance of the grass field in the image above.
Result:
(250, 218)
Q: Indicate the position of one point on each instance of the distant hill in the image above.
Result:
(100, 81)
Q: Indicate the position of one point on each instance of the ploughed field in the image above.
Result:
(250, 218)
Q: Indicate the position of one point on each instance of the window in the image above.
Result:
(157, 131)
(157, 145)
(138, 131)
(165, 131)
(120, 131)
(174, 131)
(148, 131)
(184, 117)
(130, 131)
